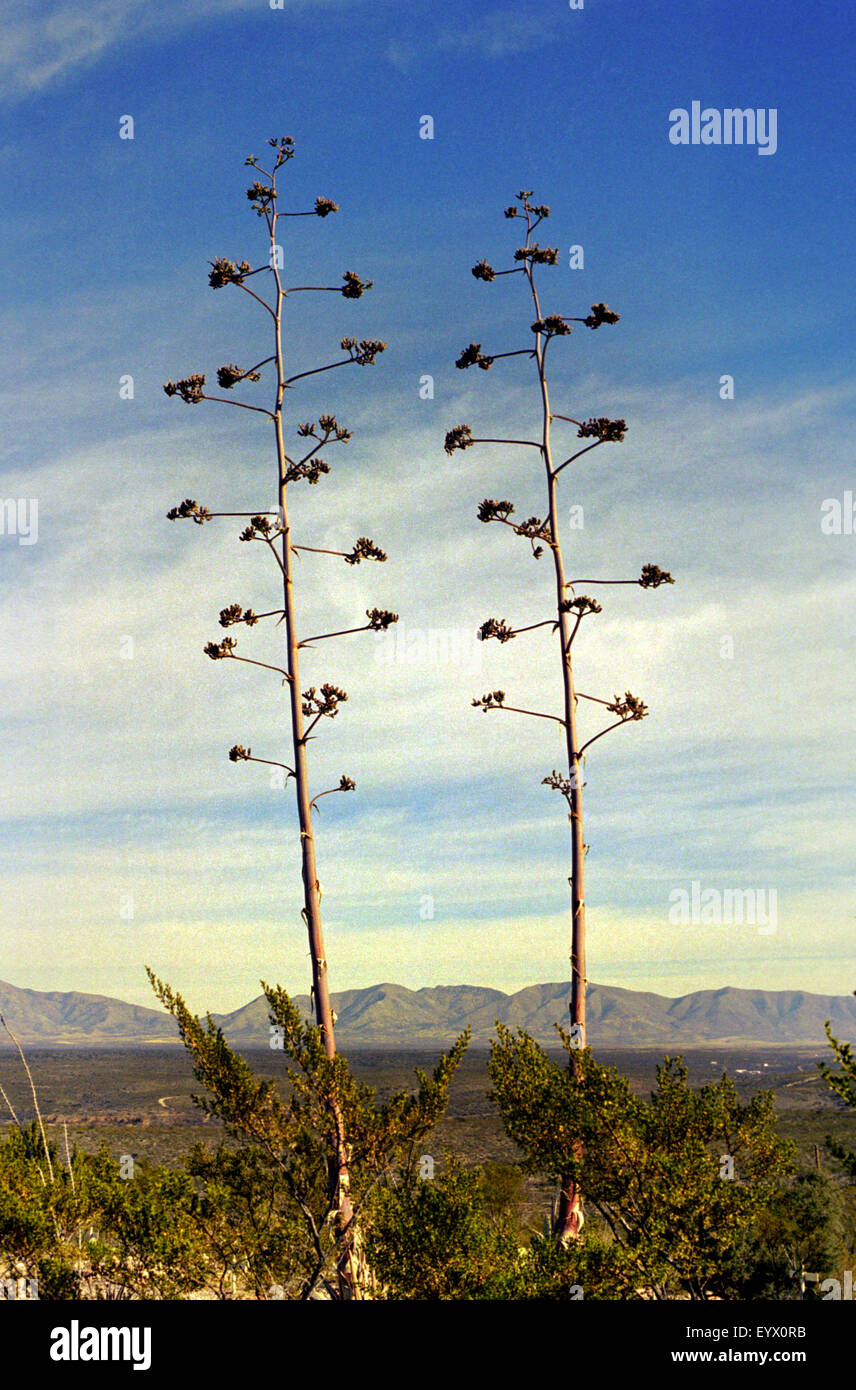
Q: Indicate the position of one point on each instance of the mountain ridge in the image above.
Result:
(391, 1015)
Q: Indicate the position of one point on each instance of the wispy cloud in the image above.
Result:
(501, 34)
(42, 44)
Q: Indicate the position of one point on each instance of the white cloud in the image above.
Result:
(497, 34)
(45, 41)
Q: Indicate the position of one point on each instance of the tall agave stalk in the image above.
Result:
(273, 530)
(543, 532)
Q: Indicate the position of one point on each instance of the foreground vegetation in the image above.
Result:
(692, 1190)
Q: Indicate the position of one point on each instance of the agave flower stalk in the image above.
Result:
(274, 531)
(543, 532)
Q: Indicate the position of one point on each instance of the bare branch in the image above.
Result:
(495, 699)
(574, 457)
(257, 297)
(238, 754)
(33, 1094)
(608, 730)
(346, 784)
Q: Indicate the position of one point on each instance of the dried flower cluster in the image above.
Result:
(380, 619)
(260, 529)
(581, 605)
(231, 374)
(652, 577)
(489, 510)
(328, 423)
(219, 650)
(311, 470)
(190, 510)
(472, 356)
(600, 314)
(628, 707)
(494, 699)
(364, 549)
(539, 211)
(354, 287)
(364, 352)
(537, 255)
(495, 627)
(458, 438)
(262, 197)
(607, 431)
(533, 528)
(552, 326)
(225, 272)
(189, 388)
(326, 704)
(559, 783)
(234, 613)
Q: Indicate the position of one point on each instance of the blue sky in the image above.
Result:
(720, 261)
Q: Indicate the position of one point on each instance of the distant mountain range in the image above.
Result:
(389, 1015)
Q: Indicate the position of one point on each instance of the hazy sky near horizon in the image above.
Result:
(128, 838)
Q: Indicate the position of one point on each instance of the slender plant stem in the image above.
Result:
(315, 370)
(316, 550)
(570, 1214)
(35, 1097)
(270, 762)
(273, 550)
(512, 709)
(328, 792)
(68, 1157)
(274, 613)
(578, 455)
(548, 622)
(15, 1119)
(531, 442)
(339, 1175)
(239, 405)
(264, 362)
(264, 664)
(313, 451)
(574, 632)
(322, 636)
(258, 297)
(607, 730)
